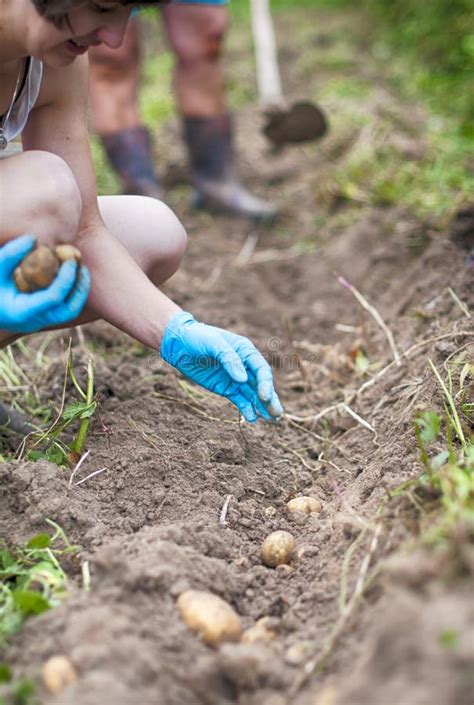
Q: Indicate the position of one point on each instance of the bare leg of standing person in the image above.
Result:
(115, 75)
(196, 36)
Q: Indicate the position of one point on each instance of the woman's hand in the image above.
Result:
(60, 303)
(225, 363)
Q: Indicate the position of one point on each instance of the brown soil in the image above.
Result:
(149, 525)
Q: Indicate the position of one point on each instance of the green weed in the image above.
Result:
(16, 692)
(31, 578)
(49, 444)
(447, 455)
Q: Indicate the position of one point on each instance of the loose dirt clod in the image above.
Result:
(58, 673)
(277, 548)
(210, 616)
(305, 504)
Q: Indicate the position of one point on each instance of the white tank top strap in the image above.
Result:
(26, 101)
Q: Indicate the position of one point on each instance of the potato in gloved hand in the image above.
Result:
(39, 267)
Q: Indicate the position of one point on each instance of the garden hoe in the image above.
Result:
(301, 122)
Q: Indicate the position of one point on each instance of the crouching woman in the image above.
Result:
(130, 244)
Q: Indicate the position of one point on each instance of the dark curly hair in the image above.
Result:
(56, 10)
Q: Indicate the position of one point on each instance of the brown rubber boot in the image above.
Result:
(130, 155)
(209, 141)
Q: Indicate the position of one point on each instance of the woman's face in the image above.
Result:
(98, 22)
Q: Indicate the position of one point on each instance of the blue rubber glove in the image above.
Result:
(225, 363)
(60, 303)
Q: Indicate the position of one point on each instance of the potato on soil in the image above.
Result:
(305, 504)
(277, 548)
(37, 270)
(58, 673)
(259, 632)
(210, 616)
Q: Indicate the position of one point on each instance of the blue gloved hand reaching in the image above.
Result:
(223, 362)
(60, 303)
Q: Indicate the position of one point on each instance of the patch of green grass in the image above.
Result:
(156, 96)
(48, 441)
(346, 87)
(107, 182)
(377, 172)
(16, 691)
(449, 639)
(446, 447)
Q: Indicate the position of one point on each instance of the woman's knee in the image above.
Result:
(202, 37)
(149, 230)
(56, 201)
(170, 240)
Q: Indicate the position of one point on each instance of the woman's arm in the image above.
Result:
(121, 293)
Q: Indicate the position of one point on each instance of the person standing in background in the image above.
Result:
(196, 31)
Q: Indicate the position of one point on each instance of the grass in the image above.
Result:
(375, 171)
(32, 581)
(446, 450)
(31, 578)
(16, 691)
(53, 440)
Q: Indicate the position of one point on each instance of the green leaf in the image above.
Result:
(36, 455)
(429, 424)
(439, 460)
(6, 558)
(361, 361)
(23, 691)
(30, 602)
(79, 410)
(449, 638)
(39, 541)
(55, 455)
(5, 673)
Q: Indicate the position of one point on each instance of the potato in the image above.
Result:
(305, 504)
(277, 548)
(58, 673)
(40, 266)
(37, 270)
(259, 632)
(210, 616)
(65, 252)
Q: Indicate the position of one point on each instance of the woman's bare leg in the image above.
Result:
(150, 232)
(38, 195)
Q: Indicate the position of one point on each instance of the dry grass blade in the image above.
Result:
(92, 474)
(82, 459)
(247, 249)
(358, 418)
(375, 315)
(460, 303)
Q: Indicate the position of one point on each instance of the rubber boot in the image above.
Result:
(209, 142)
(130, 155)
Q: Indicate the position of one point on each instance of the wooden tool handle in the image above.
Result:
(268, 74)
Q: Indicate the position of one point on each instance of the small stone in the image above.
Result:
(284, 569)
(299, 652)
